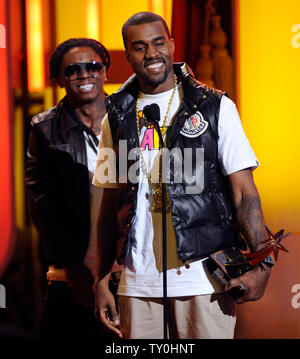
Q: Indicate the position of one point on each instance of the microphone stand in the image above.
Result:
(164, 230)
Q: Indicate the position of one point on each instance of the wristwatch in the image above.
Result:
(268, 261)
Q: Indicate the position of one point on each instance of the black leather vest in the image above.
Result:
(203, 221)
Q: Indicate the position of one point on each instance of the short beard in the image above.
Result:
(155, 83)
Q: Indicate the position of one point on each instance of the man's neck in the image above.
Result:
(91, 114)
(168, 84)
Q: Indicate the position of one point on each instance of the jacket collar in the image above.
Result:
(70, 119)
(195, 92)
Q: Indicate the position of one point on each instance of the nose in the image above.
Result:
(151, 52)
(83, 73)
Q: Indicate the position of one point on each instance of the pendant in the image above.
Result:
(163, 130)
(155, 198)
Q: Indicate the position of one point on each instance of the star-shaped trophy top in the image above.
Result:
(272, 244)
(274, 241)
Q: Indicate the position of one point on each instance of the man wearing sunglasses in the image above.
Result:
(63, 202)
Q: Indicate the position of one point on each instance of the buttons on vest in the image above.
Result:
(204, 96)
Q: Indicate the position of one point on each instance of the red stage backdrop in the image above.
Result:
(6, 188)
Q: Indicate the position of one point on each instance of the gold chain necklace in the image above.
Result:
(155, 189)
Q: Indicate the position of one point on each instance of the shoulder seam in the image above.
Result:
(43, 116)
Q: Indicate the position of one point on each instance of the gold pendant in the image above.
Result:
(163, 130)
(155, 197)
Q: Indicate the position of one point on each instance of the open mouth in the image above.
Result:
(86, 87)
(155, 66)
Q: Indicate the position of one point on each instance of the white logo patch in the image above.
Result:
(194, 126)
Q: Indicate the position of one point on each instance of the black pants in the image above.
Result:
(63, 317)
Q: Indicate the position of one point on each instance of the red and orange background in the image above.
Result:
(267, 68)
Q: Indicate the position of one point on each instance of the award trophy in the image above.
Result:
(231, 263)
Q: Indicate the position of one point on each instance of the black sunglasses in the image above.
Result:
(74, 71)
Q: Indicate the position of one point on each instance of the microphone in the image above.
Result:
(152, 113)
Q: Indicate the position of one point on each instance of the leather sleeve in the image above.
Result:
(58, 197)
(35, 179)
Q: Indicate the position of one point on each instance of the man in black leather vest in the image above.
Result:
(199, 222)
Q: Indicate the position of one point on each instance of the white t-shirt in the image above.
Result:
(96, 193)
(95, 200)
(142, 273)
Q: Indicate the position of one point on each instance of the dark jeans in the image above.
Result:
(63, 317)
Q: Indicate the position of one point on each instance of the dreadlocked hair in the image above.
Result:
(56, 57)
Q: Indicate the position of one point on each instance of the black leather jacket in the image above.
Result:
(202, 221)
(58, 183)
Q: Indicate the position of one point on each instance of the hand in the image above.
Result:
(80, 282)
(254, 282)
(105, 308)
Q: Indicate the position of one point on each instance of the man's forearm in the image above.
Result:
(248, 208)
(251, 221)
(252, 225)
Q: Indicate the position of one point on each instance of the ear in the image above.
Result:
(60, 81)
(172, 45)
(104, 74)
(126, 55)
